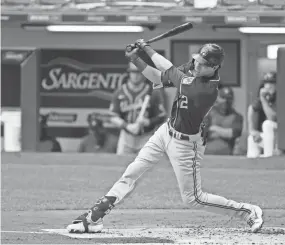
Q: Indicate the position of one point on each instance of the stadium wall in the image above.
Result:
(252, 48)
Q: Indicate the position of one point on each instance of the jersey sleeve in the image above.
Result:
(115, 103)
(172, 77)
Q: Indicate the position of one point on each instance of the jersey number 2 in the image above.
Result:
(184, 102)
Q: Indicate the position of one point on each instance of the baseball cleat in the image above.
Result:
(83, 227)
(91, 221)
(255, 220)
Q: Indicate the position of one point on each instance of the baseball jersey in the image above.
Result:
(127, 104)
(231, 120)
(194, 98)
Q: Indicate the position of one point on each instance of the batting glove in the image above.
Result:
(131, 52)
(141, 43)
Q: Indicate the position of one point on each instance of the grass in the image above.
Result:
(48, 181)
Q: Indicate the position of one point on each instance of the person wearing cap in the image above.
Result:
(46, 142)
(126, 105)
(262, 120)
(224, 124)
(180, 138)
(97, 140)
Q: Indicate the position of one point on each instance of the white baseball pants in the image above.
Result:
(268, 143)
(185, 157)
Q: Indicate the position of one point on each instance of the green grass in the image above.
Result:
(75, 181)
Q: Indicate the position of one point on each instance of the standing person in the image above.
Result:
(262, 120)
(127, 103)
(224, 124)
(181, 138)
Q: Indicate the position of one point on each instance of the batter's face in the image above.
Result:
(136, 78)
(201, 70)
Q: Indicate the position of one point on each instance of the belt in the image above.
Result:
(180, 136)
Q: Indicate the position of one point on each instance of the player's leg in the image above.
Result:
(140, 141)
(146, 159)
(126, 144)
(254, 149)
(269, 137)
(186, 164)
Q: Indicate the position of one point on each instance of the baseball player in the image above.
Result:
(223, 123)
(127, 103)
(262, 120)
(180, 138)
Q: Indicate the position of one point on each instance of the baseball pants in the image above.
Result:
(185, 157)
(268, 143)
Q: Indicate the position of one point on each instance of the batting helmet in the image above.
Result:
(210, 54)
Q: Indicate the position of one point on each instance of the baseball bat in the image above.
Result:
(173, 32)
(144, 107)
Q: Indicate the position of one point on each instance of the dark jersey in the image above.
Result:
(194, 98)
(127, 104)
(218, 145)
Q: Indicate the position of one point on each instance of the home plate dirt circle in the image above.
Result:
(200, 235)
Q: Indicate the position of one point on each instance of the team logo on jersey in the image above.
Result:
(187, 80)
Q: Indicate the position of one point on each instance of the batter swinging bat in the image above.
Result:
(173, 32)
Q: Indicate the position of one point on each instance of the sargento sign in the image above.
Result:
(67, 75)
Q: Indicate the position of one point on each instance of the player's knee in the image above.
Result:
(192, 200)
(268, 125)
(188, 199)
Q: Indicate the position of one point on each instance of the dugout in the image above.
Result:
(249, 50)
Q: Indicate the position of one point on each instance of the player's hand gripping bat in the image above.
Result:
(173, 32)
(135, 128)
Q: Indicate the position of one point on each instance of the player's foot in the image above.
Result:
(96, 227)
(255, 220)
(91, 221)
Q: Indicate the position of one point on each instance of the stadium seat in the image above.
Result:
(275, 4)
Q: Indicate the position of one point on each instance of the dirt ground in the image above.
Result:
(143, 226)
(41, 194)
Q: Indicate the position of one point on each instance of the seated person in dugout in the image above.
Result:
(47, 143)
(223, 124)
(97, 139)
(262, 120)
